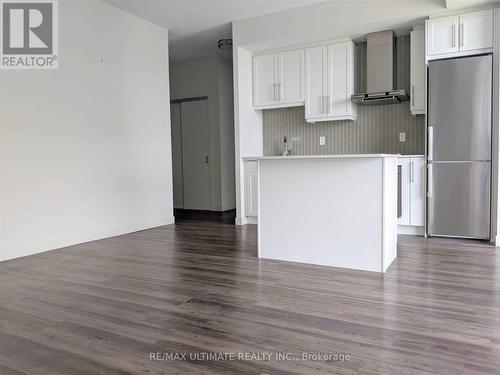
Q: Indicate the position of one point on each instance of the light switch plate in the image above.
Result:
(322, 140)
(402, 137)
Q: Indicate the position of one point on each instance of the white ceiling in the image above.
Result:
(457, 4)
(196, 25)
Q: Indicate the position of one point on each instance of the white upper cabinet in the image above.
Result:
(278, 79)
(330, 82)
(340, 74)
(442, 35)
(476, 30)
(461, 34)
(265, 80)
(291, 77)
(417, 71)
(316, 61)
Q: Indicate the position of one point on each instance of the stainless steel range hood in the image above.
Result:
(380, 72)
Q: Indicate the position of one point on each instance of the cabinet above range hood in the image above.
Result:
(380, 72)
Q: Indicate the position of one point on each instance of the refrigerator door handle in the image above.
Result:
(430, 142)
(429, 180)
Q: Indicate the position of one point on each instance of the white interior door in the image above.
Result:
(195, 155)
(175, 114)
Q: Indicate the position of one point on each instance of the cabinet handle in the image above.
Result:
(328, 104)
(413, 96)
(322, 104)
(461, 34)
(453, 35)
(412, 171)
(275, 89)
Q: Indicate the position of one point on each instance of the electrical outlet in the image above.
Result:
(322, 140)
(402, 137)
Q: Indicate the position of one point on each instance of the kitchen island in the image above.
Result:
(335, 210)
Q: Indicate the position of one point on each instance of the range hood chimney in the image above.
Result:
(380, 72)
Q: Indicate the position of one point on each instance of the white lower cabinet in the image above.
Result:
(251, 188)
(411, 195)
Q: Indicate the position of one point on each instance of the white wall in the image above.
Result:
(495, 209)
(247, 124)
(212, 77)
(85, 150)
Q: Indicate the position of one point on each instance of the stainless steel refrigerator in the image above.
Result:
(459, 147)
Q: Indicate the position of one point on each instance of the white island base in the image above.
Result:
(338, 211)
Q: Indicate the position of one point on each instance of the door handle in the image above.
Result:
(430, 142)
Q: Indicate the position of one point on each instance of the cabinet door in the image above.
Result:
(417, 191)
(417, 74)
(404, 191)
(251, 189)
(265, 80)
(340, 77)
(291, 77)
(316, 61)
(476, 30)
(442, 35)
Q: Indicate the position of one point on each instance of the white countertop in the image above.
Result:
(342, 156)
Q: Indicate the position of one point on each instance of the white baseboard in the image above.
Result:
(252, 220)
(223, 207)
(246, 220)
(41, 247)
(240, 220)
(409, 230)
(497, 241)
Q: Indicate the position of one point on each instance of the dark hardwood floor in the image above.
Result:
(103, 307)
